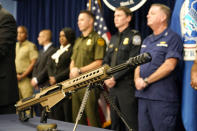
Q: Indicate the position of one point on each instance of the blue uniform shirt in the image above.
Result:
(161, 47)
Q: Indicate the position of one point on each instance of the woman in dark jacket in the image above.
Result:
(58, 70)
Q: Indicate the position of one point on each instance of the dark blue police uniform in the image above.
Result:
(123, 46)
(159, 102)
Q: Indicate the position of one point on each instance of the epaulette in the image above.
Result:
(135, 31)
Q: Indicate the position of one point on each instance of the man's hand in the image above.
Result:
(194, 75)
(110, 83)
(52, 80)
(140, 84)
(19, 77)
(74, 72)
(194, 80)
(33, 82)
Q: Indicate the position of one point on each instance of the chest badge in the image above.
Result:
(88, 42)
(126, 41)
(162, 43)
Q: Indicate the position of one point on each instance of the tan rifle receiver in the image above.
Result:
(50, 96)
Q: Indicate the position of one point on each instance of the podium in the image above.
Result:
(10, 122)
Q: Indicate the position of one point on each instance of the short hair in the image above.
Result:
(24, 28)
(49, 34)
(126, 10)
(89, 13)
(165, 9)
(69, 34)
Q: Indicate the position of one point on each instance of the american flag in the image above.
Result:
(99, 24)
(101, 28)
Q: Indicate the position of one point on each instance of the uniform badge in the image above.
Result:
(143, 46)
(136, 40)
(89, 42)
(126, 41)
(163, 43)
(100, 42)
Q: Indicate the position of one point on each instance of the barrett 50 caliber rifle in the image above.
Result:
(50, 96)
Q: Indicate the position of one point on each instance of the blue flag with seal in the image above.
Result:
(184, 22)
(131, 4)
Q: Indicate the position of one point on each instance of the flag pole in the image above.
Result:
(90, 2)
(99, 3)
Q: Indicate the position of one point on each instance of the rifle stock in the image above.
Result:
(50, 96)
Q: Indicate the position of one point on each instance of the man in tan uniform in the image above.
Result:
(26, 55)
(88, 53)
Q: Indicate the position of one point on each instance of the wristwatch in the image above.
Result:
(146, 80)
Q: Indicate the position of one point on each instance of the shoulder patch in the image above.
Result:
(137, 40)
(101, 42)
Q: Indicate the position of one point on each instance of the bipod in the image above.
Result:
(83, 103)
(115, 108)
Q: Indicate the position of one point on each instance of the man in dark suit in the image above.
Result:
(8, 80)
(40, 76)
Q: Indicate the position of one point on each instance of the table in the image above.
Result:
(10, 122)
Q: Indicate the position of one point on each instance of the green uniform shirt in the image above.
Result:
(88, 49)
